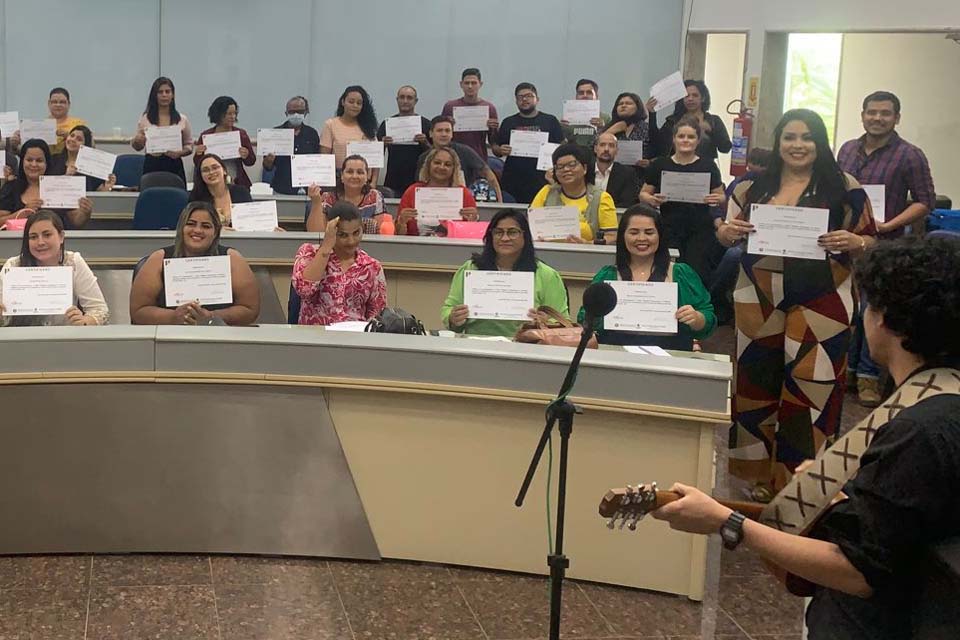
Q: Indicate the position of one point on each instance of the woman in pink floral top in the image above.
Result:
(338, 281)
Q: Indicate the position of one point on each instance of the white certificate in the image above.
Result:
(526, 144)
(62, 192)
(94, 162)
(434, 204)
(9, 123)
(403, 129)
(629, 152)
(580, 111)
(791, 232)
(498, 295)
(205, 280)
(554, 223)
(37, 291)
(668, 91)
(313, 168)
(352, 326)
(680, 186)
(226, 144)
(648, 350)
(278, 142)
(545, 158)
(45, 130)
(471, 118)
(163, 139)
(878, 200)
(650, 307)
(260, 215)
(371, 150)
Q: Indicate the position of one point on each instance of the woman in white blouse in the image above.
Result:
(43, 247)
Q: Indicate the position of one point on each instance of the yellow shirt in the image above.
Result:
(606, 215)
(63, 128)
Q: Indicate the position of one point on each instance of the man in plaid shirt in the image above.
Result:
(881, 157)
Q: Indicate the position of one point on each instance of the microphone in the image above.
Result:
(599, 299)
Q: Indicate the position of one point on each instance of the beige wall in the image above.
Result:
(724, 77)
(922, 70)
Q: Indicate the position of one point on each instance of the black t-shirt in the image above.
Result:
(520, 175)
(402, 158)
(10, 201)
(903, 499)
(58, 167)
(684, 210)
(308, 141)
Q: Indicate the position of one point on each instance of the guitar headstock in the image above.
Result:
(630, 504)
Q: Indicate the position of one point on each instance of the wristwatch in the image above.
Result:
(732, 530)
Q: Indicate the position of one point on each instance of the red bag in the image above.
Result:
(553, 329)
(464, 229)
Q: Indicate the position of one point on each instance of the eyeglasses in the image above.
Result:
(210, 170)
(513, 233)
(566, 166)
(526, 96)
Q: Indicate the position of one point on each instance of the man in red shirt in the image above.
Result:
(470, 83)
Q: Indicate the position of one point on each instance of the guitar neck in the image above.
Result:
(751, 510)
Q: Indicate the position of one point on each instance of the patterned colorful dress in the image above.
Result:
(359, 293)
(793, 329)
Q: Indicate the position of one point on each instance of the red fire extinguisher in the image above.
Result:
(742, 130)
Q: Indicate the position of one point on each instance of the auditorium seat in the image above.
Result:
(159, 208)
(128, 169)
(161, 179)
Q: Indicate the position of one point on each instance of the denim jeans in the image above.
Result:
(859, 360)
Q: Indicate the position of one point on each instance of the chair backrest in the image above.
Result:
(161, 179)
(293, 306)
(136, 268)
(159, 208)
(128, 169)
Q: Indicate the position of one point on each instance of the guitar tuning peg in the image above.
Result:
(612, 523)
(632, 524)
(622, 522)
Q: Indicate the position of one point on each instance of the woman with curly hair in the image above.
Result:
(356, 121)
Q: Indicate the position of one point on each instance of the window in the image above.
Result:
(813, 75)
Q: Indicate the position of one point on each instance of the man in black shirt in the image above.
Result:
(306, 139)
(622, 182)
(402, 156)
(520, 177)
(471, 164)
(864, 554)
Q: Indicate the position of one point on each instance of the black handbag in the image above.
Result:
(395, 320)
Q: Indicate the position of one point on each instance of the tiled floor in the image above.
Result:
(242, 598)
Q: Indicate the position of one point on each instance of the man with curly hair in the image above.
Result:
(872, 516)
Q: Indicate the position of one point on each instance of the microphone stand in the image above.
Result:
(560, 410)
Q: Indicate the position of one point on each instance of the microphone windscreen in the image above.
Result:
(599, 299)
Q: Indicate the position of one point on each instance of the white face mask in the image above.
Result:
(296, 119)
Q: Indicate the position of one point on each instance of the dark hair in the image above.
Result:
(525, 85)
(438, 119)
(367, 118)
(688, 121)
(471, 71)
(883, 96)
(828, 185)
(760, 157)
(346, 211)
(201, 192)
(486, 260)
(59, 90)
(218, 108)
(583, 156)
(153, 107)
(915, 284)
(213, 249)
(661, 259)
(87, 134)
(33, 143)
(26, 258)
(639, 116)
(306, 103)
(343, 165)
(590, 82)
(680, 109)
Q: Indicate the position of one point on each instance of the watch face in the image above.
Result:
(729, 535)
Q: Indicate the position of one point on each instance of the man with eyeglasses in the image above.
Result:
(520, 177)
(306, 139)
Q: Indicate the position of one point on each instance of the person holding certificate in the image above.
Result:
(306, 140)
(198, 235)
(223, 113)
(211, 184)
(714, 138)
(356, 121)
(630, 121)
(441, 170)
(404, 148)
(474, 137)
(642, 257)
(162, 111)
(574, 187)
(66, 163)
(43, 246)
(507, 246)
(353, 187)
(21, 197)
(793, 315)
(58, 104)
(686, 208)
(337, 281)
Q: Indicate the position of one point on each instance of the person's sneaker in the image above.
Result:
(868, 392)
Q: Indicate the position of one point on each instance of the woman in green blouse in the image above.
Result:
(641, 256)
(507, 246)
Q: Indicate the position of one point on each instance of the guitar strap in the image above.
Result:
(811, 491)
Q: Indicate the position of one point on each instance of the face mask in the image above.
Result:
(296, 119)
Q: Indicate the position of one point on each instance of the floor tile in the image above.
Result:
(42, 614)
(44, 572)
(167, 613)
(760, 605)
(391, 570)
(251, 570)
(511, 606)
(636, 612)
(281, 611)
(150, 570)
